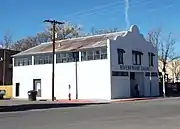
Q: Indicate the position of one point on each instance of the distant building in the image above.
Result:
(172, 70)
(106, 66)
(6, 65)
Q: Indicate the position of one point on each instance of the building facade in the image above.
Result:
(106, 66)
(172, 70)
(6, 65)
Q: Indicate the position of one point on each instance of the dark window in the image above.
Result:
(147, 74)
(83, 56)
(97, 55)
(132, 75)
(103, 53)
(75, 56)
(119, 73)
(48, 59)
(67, 57)
(90, 55)
(63, 58)
(154, 74)
(94, 54)
(43, 59)
(151, 59)
(137, 57)
(23, 61)
(120, 53)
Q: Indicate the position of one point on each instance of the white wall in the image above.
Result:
(25, 75)
(120, 87)
(132, 40)
(93, 79)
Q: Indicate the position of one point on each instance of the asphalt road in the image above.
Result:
(155, 114)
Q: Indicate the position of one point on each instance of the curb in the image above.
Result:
(26, 107)
(81, 101)
(132, 100)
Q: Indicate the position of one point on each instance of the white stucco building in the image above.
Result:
(108, 66)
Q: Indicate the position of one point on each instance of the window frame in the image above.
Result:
(151, 58)
(103, 53)
(120, 54)
(22, 61)
(67, 57)
(41, 59)
(93, 54)
(138, 57)
(97, 56)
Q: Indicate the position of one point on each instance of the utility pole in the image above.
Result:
(53, 22)
(3, 60)
(4, 65)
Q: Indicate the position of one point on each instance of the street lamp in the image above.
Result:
(53, 22)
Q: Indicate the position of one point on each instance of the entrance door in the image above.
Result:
(17, 89)
(132, 83)
(37, 86)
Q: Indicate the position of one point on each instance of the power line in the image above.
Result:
(111, 10)
(156, 9)
(136, 5)
(163, 7)
(115, 7)
(92, 9)
(104, 8)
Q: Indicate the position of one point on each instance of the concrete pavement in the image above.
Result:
(23, 105)
(155, 114)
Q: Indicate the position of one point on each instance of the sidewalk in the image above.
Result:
(24, 105)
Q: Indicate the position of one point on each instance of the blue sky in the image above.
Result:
(24, 17)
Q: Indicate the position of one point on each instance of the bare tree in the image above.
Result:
(25, 43)
(165, 46)
(43, 37)
(1, 44)
(7, 40)
(166, 53)
(65, 31)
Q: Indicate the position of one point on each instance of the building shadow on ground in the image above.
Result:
(25, 107)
